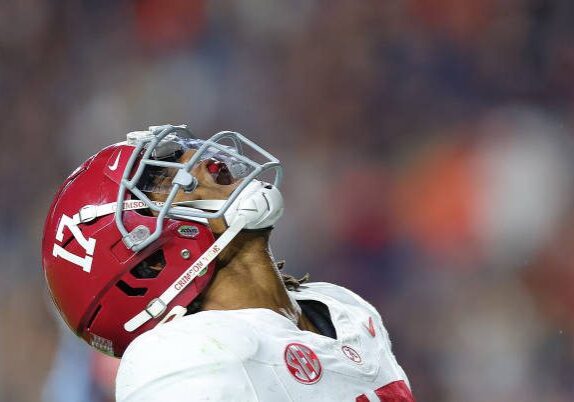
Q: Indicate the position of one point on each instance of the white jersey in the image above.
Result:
(257, 355)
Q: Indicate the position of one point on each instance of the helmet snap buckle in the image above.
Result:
(186, 180)
(87, 213)
(136, 236)
(156, 308)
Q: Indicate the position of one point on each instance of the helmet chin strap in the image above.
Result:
(258, 206)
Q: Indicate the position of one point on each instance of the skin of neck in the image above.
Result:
(246, 273)
(248, 277)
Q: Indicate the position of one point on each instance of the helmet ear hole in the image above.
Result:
(150, 267)
(128, 290)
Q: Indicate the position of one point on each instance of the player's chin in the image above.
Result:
(217, 226)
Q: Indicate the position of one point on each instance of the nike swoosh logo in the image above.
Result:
(371, 327)
(115, 165)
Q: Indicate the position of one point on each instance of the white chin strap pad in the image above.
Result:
(260, 204)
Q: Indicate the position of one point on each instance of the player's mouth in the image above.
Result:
(219, 172)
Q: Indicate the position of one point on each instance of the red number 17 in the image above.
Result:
(394, 392)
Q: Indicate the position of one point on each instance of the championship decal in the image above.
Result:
(351, 354)
(102, 344)
(302, 363)
(188, 231)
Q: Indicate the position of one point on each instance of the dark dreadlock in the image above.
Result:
(290, 282)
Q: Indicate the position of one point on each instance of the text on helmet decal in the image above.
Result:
(87, 244)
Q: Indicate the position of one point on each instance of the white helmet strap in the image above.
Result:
(90, 212)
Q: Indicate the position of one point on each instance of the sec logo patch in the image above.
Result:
(302, 363)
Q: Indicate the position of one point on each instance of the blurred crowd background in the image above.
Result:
(428, 151)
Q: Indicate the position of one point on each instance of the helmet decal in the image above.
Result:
(87, 244)
(114, 165)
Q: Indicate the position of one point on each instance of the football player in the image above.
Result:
(156, 251)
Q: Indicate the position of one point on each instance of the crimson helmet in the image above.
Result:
(118, 261)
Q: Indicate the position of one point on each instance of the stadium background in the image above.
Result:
(428, 154)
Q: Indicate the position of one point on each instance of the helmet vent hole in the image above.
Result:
(128, 290)
(150, 267)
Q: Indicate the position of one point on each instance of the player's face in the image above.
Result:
(215, 182)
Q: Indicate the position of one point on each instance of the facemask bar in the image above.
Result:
(140, 237)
